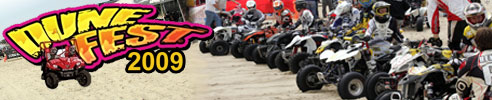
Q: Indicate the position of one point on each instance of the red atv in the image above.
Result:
(62, 63)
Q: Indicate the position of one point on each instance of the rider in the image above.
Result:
(282, 15)
(456, 24)
(364, 16)
(475, 73)
(306, 18)
(476, 17)
(383, 26)
(253, 16)
(346, 16)
(398, 9)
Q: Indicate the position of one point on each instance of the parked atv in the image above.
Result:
(219, 45)
(303, 44)
(340, 39)
(417, 54)
(433, 82)
(274, 47)
(416, 16)
(300, 47)
(347, 67)
(244, 47)
(9, 52)
(62, 63)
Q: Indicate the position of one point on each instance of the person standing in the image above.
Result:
(456, 25)
(330, 4)
(212, 19)
(312, 5)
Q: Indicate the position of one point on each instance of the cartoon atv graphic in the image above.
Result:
(62, 63)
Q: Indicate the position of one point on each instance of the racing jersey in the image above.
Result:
(454, 9)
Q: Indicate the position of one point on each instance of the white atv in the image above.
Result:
(299, 48)
(346, 68)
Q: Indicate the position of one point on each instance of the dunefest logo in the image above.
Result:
(105, 33)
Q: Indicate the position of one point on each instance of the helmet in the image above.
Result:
(476, 16)
(286, 16)
(278, 5)
(381, 16)
(343, 7)
(300, 4)
(366, 3)
(251, 4)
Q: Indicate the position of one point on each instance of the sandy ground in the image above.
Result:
(205, 77)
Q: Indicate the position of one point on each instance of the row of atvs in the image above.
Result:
(374, 68)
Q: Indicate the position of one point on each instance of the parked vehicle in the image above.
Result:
(224, 35)
(62, 63)
(421, 82)
(416, 16)
(347, 67)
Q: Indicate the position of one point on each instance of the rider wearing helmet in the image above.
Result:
(475, 75)
(383, 26)
(306, 18)
(364, 16)
(476, 17)
(346, 16)
(253, 15)
(282, 15)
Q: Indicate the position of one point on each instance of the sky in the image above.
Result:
(17, 11)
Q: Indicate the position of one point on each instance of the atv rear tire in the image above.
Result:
(203, 47)
(351, 86)
(280, 63)
(373, 86)
(257, 57)
(219, 48)
(271, 59)
(237, 49)
(420, 24)
(248, 50)
(84, 78)
(307, 79)
(298, 61)
(51, 80)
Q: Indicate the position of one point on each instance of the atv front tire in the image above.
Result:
(219, 48)
(237, 49)
(257, 57)
(248, 50)
(307, 79)
(420, 24)
(374, 86)
(297, 61)
(84, 78)
(203, 47)
(271, 59)
(51, 80)
(280, 63)
(351, 86)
